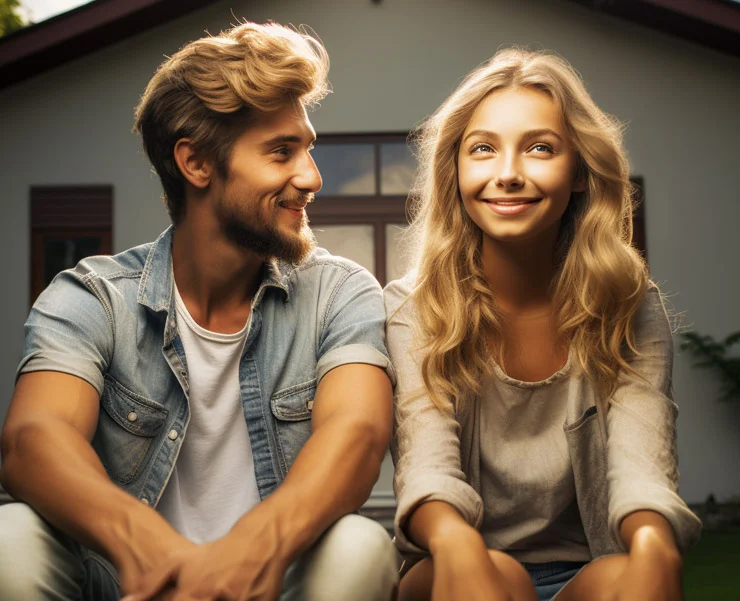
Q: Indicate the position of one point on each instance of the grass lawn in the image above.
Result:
(712, 568)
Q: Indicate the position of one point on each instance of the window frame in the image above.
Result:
(377, 210)
(64, 212)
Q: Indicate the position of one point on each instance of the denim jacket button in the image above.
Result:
(144, 500)
(132, 417)
(172, 435)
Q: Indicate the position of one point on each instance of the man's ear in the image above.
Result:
(194, 168)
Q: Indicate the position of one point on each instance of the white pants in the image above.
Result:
(353, 561)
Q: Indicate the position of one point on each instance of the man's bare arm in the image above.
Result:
(49, 463)
(332, 475)
(335, 470)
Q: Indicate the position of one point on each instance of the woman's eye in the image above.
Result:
(543, 148)
(480, 148)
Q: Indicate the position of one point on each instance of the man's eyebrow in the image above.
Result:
(532, 133)
(286, 138)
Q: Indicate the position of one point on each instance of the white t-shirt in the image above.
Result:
(213, 482)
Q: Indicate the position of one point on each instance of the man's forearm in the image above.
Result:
(331, 477)
(52, 467)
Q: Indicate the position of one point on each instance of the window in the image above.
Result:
(361, 209)
(638, 217)
(68, 223)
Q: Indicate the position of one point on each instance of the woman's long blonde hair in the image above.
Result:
(601, 279)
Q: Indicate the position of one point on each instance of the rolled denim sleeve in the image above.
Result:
(641, 433)
(70, 329)
(426, 441)
(353, 325)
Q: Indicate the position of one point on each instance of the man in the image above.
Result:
(196, 418)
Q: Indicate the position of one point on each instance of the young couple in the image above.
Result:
(199, 417)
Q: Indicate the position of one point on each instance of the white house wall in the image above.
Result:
(392, 64)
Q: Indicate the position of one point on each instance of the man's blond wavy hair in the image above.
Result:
(601, 279)
(209, 89)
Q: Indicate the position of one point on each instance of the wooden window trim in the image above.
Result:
(68, 212)
(376, 210)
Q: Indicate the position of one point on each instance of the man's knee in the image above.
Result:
(29, 554)
(355, 560)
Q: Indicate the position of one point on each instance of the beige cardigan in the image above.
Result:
(623, 451)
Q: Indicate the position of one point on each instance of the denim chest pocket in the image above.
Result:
(292, 408)
(127, 426)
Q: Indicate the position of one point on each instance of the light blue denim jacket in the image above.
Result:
(111, 321)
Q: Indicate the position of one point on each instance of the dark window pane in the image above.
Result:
(61, 254)
(398, 167)
(347, 169)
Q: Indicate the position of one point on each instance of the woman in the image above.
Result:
(535, 431)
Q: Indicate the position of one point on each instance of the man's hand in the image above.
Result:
(144, 557)
(247, 563)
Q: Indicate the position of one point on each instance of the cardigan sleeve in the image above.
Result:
(642, 465)
(426, 441)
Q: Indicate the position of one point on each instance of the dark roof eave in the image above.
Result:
(711, 23)
(41, 47)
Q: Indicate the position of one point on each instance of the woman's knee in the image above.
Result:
(515, 575)
(596, 581)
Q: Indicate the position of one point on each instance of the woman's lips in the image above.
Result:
(514, 206)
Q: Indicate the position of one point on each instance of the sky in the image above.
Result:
(40, 10)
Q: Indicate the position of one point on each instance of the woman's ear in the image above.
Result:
(194, 168)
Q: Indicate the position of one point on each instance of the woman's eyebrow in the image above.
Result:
(483, 133)
(532, 133)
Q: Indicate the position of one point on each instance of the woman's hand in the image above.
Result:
(653, 570)
(463, 569)
(654, 567)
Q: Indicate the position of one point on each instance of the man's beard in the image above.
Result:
(265, 238)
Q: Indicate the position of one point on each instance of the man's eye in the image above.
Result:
(282, 151)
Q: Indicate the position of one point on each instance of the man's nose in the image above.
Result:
(308, 177)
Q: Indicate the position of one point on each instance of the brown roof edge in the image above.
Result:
(711, 23)
(38, 48)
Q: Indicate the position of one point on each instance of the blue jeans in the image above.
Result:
(549, 578)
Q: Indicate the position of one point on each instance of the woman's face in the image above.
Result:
(516, 166)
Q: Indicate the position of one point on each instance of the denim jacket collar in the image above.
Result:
(156, 285)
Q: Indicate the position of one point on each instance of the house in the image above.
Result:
(68, 88)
